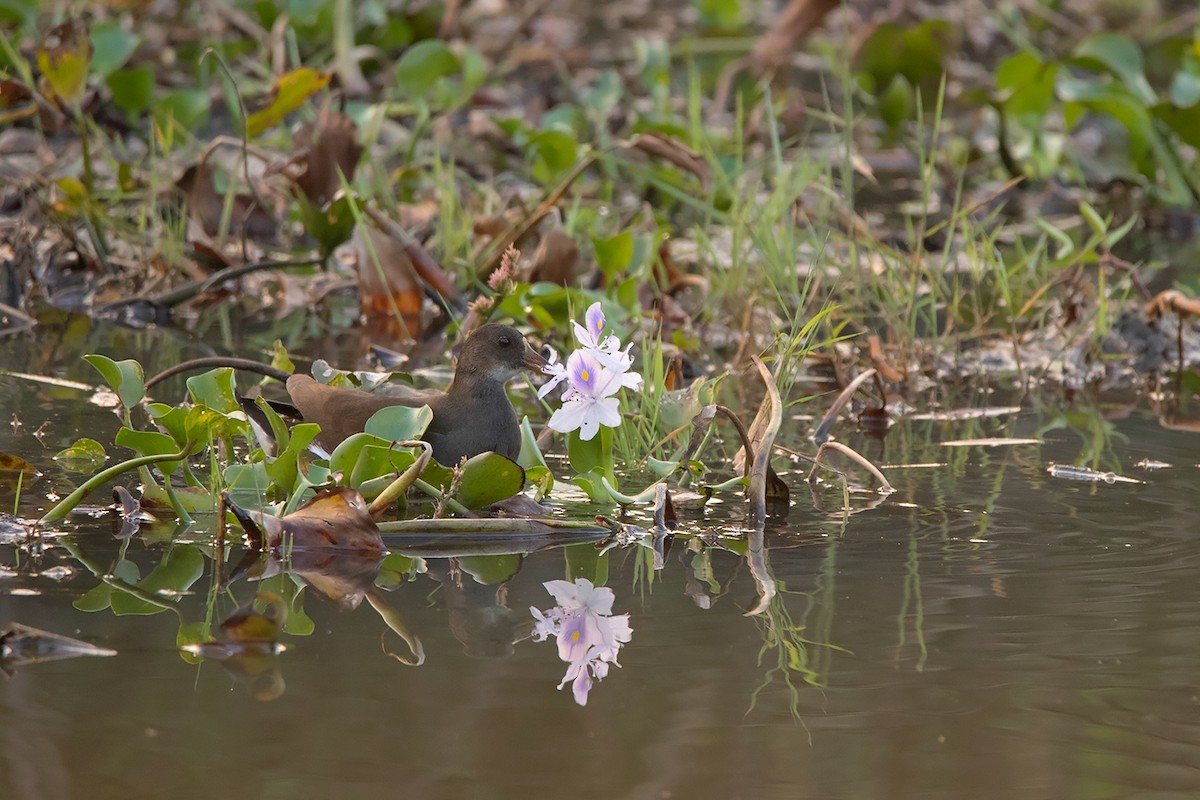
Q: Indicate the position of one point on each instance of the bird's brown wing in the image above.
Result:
(342, 412)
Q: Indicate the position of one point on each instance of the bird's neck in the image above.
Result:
(473, 384)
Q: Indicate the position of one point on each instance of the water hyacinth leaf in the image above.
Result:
(174, 575)
(298, 623)
(422, 65)
(96, 599)
(378, 460)
(489, 478)
(112, 46)
(399, 423)
(132, 89)
(346, 455)
(214, 390)
(123, 377)
(288, 93)
(284, 468)
(172, 419)
(149, 443)
(64, 57)
(85, 455)
(490, 570)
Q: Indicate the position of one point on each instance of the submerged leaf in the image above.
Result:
(85, 455)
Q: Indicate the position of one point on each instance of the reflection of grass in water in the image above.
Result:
(912, 597)
(783, 639)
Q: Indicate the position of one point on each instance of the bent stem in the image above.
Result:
(69, 502)
(398, 487)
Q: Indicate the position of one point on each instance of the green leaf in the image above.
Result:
(490, 570)
(123, 377)
(132, 89)
(489, 478)
(284, 468)
(183, 109)
(330, 226)
(112, 46)
(399, 423)
(173, 419)
(554, 152)
(614, 253)
(96, 599)
(896, 103)
(149, 443)
(85, 455)
(183, 566)
(1119, 55)
(289, 92)
(1185, 89)
(531, 459)
(214, 390)
(422, 65)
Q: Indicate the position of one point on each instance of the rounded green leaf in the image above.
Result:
(489, 478)
(399, 423)
(422, 65)
(123, 377)
(85, 455)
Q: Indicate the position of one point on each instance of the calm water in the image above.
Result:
(987, 631)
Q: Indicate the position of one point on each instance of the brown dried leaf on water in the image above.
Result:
(333, 151)
(207, 205)
(556, 259)
(11, 463)
(335, 519)
(342, 577)
(388, 284)
(21, 645)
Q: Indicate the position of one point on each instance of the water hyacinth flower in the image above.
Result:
(594, 374)
(587, 633)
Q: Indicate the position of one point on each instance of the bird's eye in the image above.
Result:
(504, 341)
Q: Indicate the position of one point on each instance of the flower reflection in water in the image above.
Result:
(588, 634)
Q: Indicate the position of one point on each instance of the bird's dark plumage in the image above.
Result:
(473, 415)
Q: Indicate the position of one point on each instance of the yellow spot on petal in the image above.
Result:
(583, 374)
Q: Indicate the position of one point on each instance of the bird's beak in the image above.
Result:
(533, 360)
